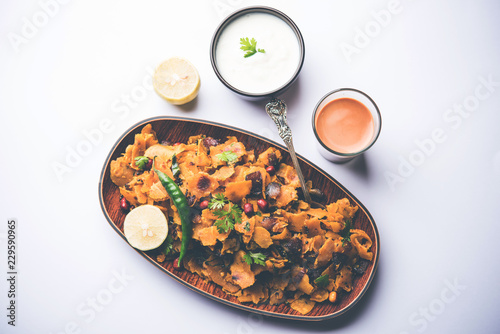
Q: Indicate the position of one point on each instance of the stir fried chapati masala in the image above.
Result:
(251, 233)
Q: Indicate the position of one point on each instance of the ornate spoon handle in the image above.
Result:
(276, 109)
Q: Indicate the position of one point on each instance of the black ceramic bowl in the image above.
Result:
(259, 9)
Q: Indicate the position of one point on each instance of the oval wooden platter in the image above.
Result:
(176, 129)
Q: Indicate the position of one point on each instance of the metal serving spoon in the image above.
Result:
(276, 109)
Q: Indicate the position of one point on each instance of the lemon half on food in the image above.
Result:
(145, 227)
(176, 80)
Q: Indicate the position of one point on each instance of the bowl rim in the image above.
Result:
(341, 154)
(362, 207)
(241, 12)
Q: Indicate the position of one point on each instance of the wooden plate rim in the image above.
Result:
(196, 289)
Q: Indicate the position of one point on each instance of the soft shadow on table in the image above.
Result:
(190, 106)
(351, 316)
(359, 167)
(290, 96)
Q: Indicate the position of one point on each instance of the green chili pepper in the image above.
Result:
(182, 206)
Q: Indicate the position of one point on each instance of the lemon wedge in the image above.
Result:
(176, 80)
(145, 227)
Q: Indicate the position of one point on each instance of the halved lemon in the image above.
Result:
(176, 80)
(145, 227)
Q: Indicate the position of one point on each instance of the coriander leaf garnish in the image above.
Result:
(217, 202)
(227, 156)
(226, 219)
(250, 46)
(141, 162)
(346, 232)
(257, 258)
(169, 247)
(224, 223)
(175, 166)
(322, 281)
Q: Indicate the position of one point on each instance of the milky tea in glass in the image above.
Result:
(346, 123)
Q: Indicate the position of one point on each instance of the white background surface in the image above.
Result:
(438, 223)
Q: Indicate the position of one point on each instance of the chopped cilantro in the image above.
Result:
(169, 247)
(227, 156)
(175, 166)
(226, 219)
(346, 232)
(322, 281)
(141, 162)
(257, 258)
(217, 202)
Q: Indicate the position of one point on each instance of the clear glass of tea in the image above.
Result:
(346, 123)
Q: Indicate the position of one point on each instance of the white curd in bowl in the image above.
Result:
(261, 72)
